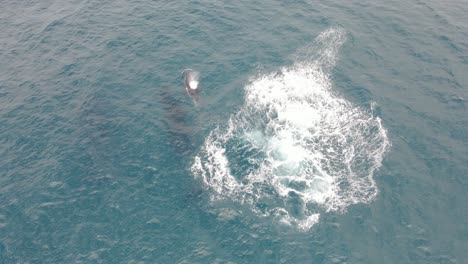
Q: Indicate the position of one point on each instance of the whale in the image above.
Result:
(192, 84)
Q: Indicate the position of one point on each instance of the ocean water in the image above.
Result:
(326, 132)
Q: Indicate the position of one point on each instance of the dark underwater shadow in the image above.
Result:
(182, 139)
(179, 120)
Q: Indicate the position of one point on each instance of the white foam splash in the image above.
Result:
(295, 149)
(193, 85)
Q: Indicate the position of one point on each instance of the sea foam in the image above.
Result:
(295, 149)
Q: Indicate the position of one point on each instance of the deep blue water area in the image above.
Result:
(327, 132)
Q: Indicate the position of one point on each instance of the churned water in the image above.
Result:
(326, 132)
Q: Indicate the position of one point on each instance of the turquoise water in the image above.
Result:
(327, 132)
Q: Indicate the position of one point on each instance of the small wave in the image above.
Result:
(295, 149)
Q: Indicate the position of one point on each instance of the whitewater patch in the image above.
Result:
(295, 149)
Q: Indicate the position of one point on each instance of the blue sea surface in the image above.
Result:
(326, 132)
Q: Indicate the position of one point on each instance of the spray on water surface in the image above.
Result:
(295, 149)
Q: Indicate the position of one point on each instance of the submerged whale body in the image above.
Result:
(177, 124)
(192, 83)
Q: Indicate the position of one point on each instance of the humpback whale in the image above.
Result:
(192, 83)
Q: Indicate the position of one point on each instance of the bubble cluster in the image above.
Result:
(295, 149)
